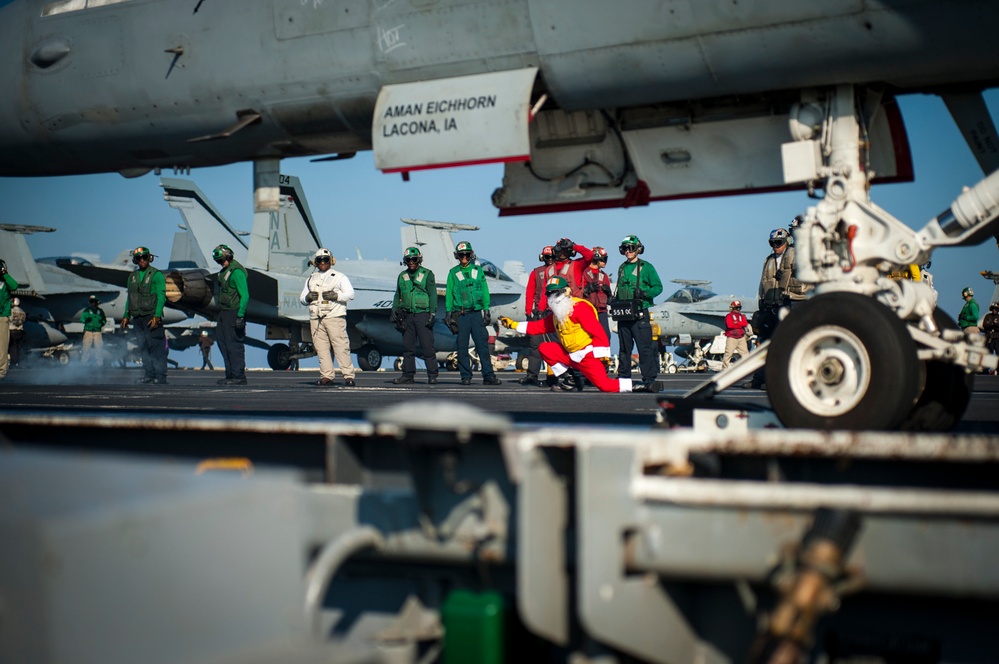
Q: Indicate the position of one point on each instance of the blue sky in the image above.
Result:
(719, 239)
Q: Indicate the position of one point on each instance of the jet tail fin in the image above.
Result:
(434, 240)
(206, 226)
(15, 252)
(285, 240)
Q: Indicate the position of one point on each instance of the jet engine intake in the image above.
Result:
(189, 288)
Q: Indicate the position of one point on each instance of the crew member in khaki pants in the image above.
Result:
(327, 293)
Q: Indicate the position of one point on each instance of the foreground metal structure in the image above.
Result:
(375, 541)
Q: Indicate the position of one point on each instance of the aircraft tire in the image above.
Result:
(946, 390)
(369, 358)
(397, 365)
(671, 369)
(842, 361)
(279, 357)
(62, 357)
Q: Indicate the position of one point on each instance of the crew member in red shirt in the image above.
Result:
(735, 333)
(568, 268)
(597, 286)
(536, 308)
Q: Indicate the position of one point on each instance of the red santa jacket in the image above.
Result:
(580, 331)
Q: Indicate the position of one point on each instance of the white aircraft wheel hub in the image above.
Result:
(830, 371)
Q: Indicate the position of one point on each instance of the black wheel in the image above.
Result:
(279, 357)
(62, 357)
(521, 362)
(946, 391)
(397, 365)
(842, 361)
(369, 358)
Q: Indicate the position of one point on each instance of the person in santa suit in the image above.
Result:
(735, 333)
(582, 342)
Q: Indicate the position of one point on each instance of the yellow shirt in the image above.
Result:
(570, 333)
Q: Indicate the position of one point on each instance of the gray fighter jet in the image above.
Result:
(694, 312)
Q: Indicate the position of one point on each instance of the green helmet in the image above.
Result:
(631, 241)
(556, 285)
(222, 253)
(464, 248)
(412, 253)
(141, 253)
(967, 292)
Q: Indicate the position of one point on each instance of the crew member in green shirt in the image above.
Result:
(7, 287)
(414, 310)
(468, 314)
(637, 281)
(230, 328)
(144, 309)
(94, 319)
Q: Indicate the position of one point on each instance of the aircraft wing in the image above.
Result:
(105, 275)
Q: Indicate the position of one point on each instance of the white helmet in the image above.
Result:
(16, 301)
(322, 255)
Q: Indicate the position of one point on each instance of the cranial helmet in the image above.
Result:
(204, 333)
(599, 253)
(967, 292)
(221, 254)
(778, 236)
(3, 266)
(141, 253)
(16, 301)
(93, 298)
(556, 285)
(797, 221)
(736, 304)
(412, 253)
(631, 241)
(464, 248)
(323, 255)
(994, 306)
(547, 254)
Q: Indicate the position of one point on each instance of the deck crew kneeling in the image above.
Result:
(582, 342)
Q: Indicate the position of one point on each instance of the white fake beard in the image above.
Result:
(561, 307)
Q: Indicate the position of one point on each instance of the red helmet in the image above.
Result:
(736, 304)
(548, 253)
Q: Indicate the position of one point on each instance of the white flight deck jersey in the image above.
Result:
(334, 291)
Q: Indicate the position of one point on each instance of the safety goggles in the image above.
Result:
(464, 254)
(323, 259)
(411, 259)
(598, 259)
(777, 243)
(630, 248)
